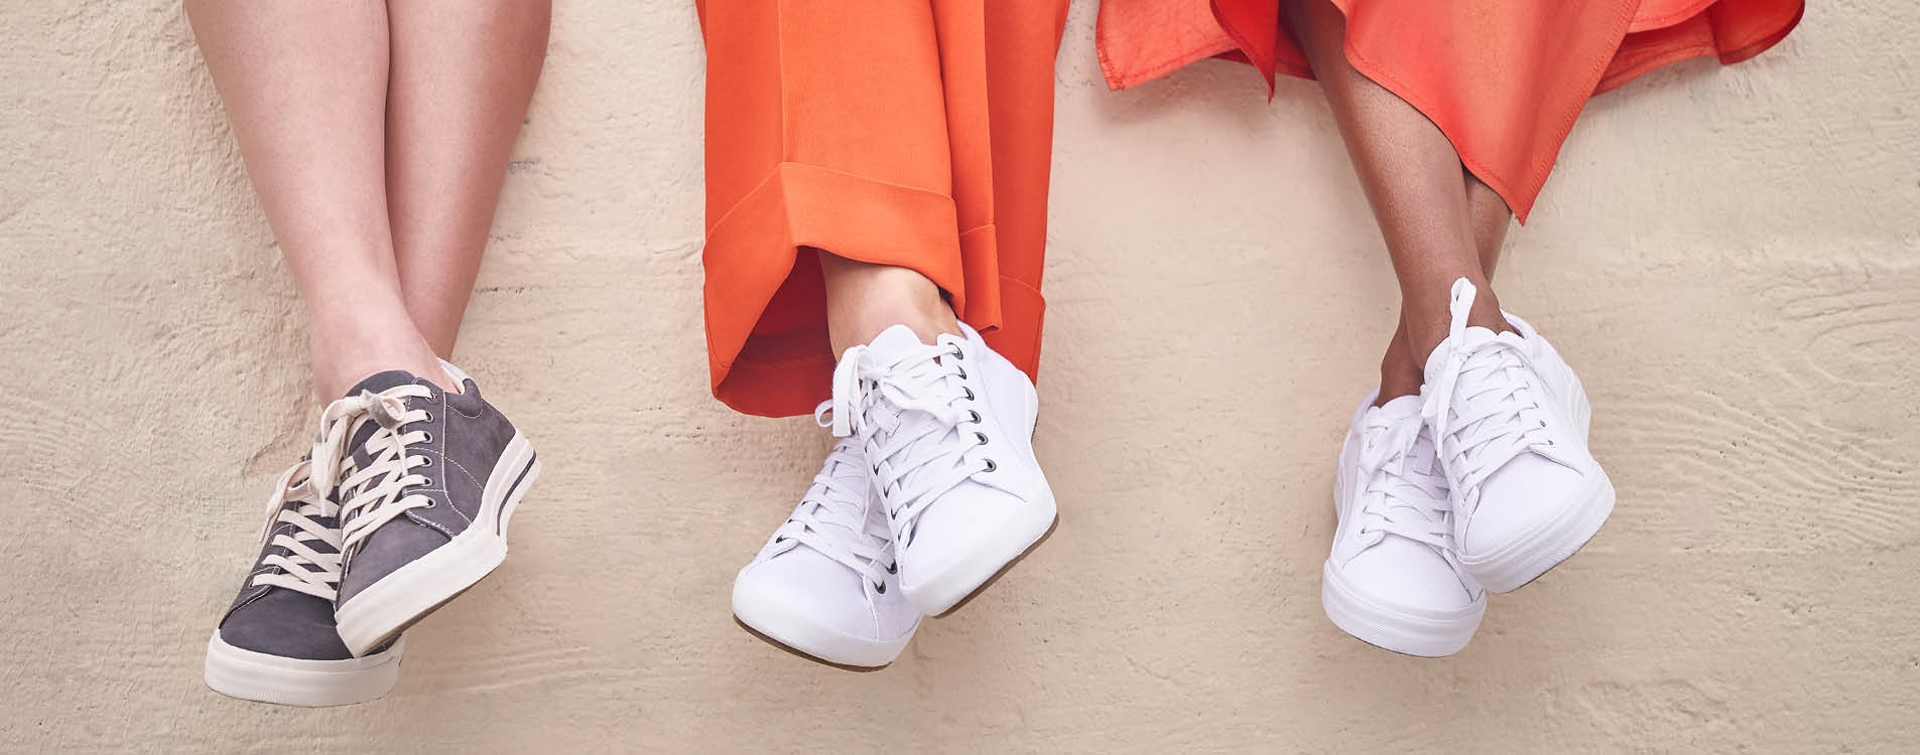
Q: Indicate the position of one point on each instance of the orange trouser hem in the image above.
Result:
(752, 254)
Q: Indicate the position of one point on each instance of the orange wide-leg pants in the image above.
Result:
(915, 133)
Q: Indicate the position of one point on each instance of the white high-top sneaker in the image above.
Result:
(1511, 420)
(947, 429)
(825, 583)
(1392, 578)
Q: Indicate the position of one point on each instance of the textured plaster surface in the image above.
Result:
(1731, 258)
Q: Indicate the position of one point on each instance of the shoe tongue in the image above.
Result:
(1383, 418)
(382, 381)
(1399, 408)
(894, 343)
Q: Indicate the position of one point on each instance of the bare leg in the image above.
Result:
(305, 87)
(864, 299)
(1414, 181)
(463, 72)
(1401, 370)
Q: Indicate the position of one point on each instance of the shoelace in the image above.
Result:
(377, 493)
(908, 414)
(1499, 420)
(832, 517)
(1398, 498)
(304, 567)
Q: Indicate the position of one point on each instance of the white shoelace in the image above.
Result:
(304, 568)
(377, 493)
(909, 414)
(1499, 420)
(1396, 497)
(832, 517)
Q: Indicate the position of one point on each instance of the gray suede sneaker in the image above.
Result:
(277, 642)
(429, 481)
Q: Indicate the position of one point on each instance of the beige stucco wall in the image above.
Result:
(1730, 257)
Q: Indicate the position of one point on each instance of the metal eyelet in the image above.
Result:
(432, 503)
(880, 588)
(426, 461)
(893, 568)
(982, 437)
(976, 416)
(428, 418)
(426, 437)
(991, 466)
(962, 371)
(969, 392)
(780, 539)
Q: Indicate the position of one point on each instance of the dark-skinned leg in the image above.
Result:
(1419, 193)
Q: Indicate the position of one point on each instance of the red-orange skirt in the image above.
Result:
(1504, 79)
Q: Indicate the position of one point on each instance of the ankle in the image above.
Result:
(339, 364)
(864, 300)
(1428, 325)
(870, 321)
(1400, 373)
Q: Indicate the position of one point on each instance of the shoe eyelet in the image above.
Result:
(962, 371)
(982, 437)
(431, 503)
(780, 539)
(426, 437)
(893, 568)
(969, 392)
(991, 466)
(426, 461)
(974, 416)
(880, 588)
(428, 418)
(427, 481)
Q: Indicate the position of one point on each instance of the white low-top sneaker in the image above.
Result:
(825, 583)
(1511, 420)
(1392, 578)
(947, 429)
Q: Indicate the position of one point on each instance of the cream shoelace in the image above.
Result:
(304, 568)
(832, 517)
(910, 414)
(377, 493)
(1497, 419)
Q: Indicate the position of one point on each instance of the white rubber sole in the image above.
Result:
(938, 593)
(775, 617)
(249, 675)
(1535, 552)
(389, 606)
(1413, 631)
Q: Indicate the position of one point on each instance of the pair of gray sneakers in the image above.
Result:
(403, 504)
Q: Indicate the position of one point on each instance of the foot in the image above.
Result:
(1511, 420)
(826, 583)
(429, 485)
(947, 432)
(278, 642)
(1392, 579)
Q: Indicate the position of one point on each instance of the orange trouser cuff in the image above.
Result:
(752, 254)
